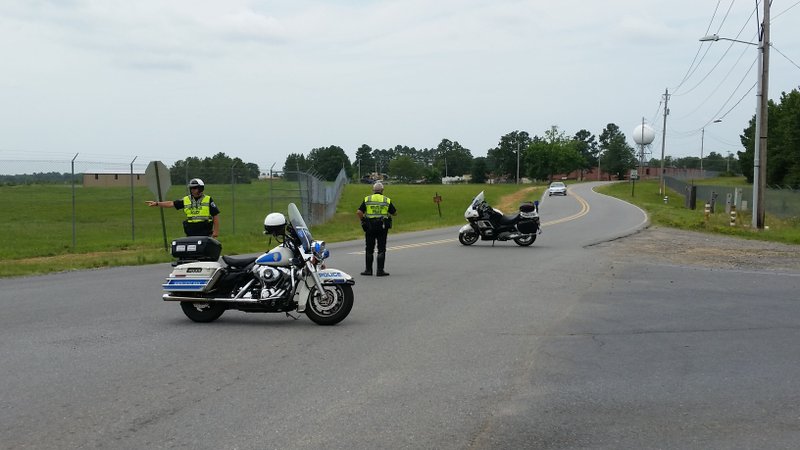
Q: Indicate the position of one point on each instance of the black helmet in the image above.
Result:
(198, 183)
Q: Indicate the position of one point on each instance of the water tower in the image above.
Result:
(643, 135)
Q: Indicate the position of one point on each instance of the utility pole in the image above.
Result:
(702, 140)
(641, 152)
(760, 147)
(661, 189)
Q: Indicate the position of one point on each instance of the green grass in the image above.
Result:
(40, 229)
(674, 214)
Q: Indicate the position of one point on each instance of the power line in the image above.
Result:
(741, 30)
(653, 120)
(746, 73)
(787, 58)
(787, 9)
(692, 66)
(740, 100)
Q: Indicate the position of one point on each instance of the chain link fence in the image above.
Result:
(92, 205)
(779, 202)
(318, 198)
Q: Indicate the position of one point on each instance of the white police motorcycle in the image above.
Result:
(289, 278)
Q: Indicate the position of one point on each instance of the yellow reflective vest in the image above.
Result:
(377, 206)
(197, 210)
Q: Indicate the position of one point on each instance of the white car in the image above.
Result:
(557, 188)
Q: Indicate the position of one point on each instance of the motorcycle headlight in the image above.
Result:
(319, 249)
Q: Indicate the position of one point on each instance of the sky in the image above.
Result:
(117, 81)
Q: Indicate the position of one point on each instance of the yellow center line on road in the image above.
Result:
(584, 210)
(420, 244)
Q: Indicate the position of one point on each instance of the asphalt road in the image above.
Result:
(560, 345)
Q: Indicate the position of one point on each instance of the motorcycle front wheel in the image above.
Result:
(468, 237)
(332, 306)
(202, 312)
(526, 240)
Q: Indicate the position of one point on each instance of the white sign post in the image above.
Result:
(634, 176)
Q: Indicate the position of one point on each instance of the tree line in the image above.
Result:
(516, 154)
(218, 169)
(783, 146)
(541, 157)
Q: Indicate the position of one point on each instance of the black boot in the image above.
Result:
(381, 261)
(368, 272)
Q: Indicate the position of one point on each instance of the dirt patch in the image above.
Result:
(673, 246)
(510, 203)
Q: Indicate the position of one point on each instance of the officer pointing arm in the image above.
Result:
(202, 214)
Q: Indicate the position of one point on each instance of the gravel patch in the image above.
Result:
(681, 247)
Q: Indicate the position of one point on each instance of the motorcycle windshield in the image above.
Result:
(476, 201)
(300, 227)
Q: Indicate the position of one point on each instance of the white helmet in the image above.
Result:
(198, 183)
(275, 224)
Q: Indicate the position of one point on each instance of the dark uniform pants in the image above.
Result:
(373, 235)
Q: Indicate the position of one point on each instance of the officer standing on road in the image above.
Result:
(202, 214)
(374, 214)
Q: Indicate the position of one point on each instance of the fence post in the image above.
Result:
(728, 202)
(74, 218)
(233, 199)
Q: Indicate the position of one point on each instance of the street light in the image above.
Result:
(702, 139)
(760, 144)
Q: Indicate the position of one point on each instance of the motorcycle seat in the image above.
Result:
(509, 220)
(239, 261)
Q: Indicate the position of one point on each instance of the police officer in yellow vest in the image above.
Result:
(202, 214)
(375, 214)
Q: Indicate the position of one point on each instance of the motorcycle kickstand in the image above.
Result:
(293, 317)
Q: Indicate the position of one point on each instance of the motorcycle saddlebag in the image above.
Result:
(527, 226)
(196, 248)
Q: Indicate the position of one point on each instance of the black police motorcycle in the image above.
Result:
(490, 224)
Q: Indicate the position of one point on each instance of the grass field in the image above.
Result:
(112, 228)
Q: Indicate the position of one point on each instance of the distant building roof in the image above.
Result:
(112, 172)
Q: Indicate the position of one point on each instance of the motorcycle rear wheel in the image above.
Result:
(332, 307)
(526, 240)
(468, 237)
(202, 312)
